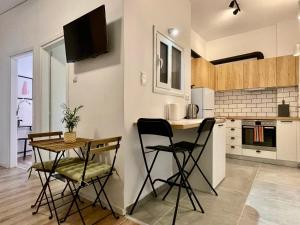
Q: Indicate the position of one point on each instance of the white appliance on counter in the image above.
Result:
(205, 99)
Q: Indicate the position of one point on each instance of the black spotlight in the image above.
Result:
(231, 5)
(236, 11)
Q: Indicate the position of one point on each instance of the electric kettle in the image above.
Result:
(192, 111)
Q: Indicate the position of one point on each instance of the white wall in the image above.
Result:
(140, 101)
(198, 44)
(276, 40)
(100, 80)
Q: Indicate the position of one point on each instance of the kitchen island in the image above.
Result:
(213, 160)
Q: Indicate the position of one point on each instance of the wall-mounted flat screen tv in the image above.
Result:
(86, 37)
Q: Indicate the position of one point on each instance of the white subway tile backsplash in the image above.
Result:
(265, 100)
(255, 103)
(256, 110)
(256, 100)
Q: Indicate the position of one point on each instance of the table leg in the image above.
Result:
(47, 183)
(25, 149)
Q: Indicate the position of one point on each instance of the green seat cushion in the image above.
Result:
(74, 171)
(49, 164)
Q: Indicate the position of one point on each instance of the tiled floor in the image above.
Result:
(252, 194)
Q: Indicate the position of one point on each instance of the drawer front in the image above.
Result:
(233, 132)
(234, 150)
(259, 154)
(233, 140)
(234, 123)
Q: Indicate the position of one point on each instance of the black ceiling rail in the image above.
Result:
(257, 55)
(195, 55)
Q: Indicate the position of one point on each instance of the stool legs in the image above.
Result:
(144, 184)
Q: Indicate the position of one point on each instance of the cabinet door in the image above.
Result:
(287, 140)
(200, 72)
(267, 72)
(211, 76)
(251, 79)
(219, 153)
(229, 76)
(235, 76)
(221, 77)
(286, 71)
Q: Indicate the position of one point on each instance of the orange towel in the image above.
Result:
(258, 134)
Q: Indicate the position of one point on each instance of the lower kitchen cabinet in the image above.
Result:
(234, 150)
(259, 153)
(287, 140)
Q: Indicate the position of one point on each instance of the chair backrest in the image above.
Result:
(158, 127)
(44, 135)
(205, 129)
(100, 146)
(104, 145)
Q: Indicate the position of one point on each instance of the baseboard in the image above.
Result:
(117, 209)
(149, 196)
(5, 165)
(136, 220)
(263, 160)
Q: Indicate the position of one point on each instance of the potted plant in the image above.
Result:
(70, 120)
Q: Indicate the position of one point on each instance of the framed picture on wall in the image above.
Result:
(24, 87)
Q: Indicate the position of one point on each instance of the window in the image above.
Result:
(168, 65)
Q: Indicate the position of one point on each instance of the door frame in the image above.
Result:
(45, 73)
(13, 145)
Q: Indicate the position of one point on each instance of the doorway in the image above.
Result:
(22, 108)
(54, 72)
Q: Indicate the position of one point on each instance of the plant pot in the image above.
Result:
(70, 137)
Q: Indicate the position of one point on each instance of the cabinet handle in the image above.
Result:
(286, 121)
(258, 151)
(232, 138)
(232, 147)
(221, 125)
(232, 129)
(232, 120)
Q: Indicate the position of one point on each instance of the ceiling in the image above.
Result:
(213, 19)
(6, 5)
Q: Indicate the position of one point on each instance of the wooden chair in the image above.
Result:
(45, 167)
(90, 172)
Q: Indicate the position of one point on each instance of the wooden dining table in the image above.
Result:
(58, 147)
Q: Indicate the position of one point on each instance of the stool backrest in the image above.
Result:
(205, 129)
(158, 127)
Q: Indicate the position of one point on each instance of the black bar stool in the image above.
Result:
(204, 131)
(160, 127)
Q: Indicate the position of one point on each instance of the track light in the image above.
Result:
(235, 3)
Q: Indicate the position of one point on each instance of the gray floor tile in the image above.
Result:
(251, 194)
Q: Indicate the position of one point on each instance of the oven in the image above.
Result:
(259, 134)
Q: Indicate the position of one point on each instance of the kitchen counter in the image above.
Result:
(190, 123)
(261, 118)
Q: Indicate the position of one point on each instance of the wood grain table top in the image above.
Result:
(58, 145)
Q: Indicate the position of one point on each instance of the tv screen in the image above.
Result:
(86, 36)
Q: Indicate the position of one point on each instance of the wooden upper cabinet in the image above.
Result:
(229, 76)
(267, 72)
(203, 73)
(287, 71)
(211, 76)
(221, 77)
(251, 74)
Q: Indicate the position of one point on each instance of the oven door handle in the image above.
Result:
(269, 128)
